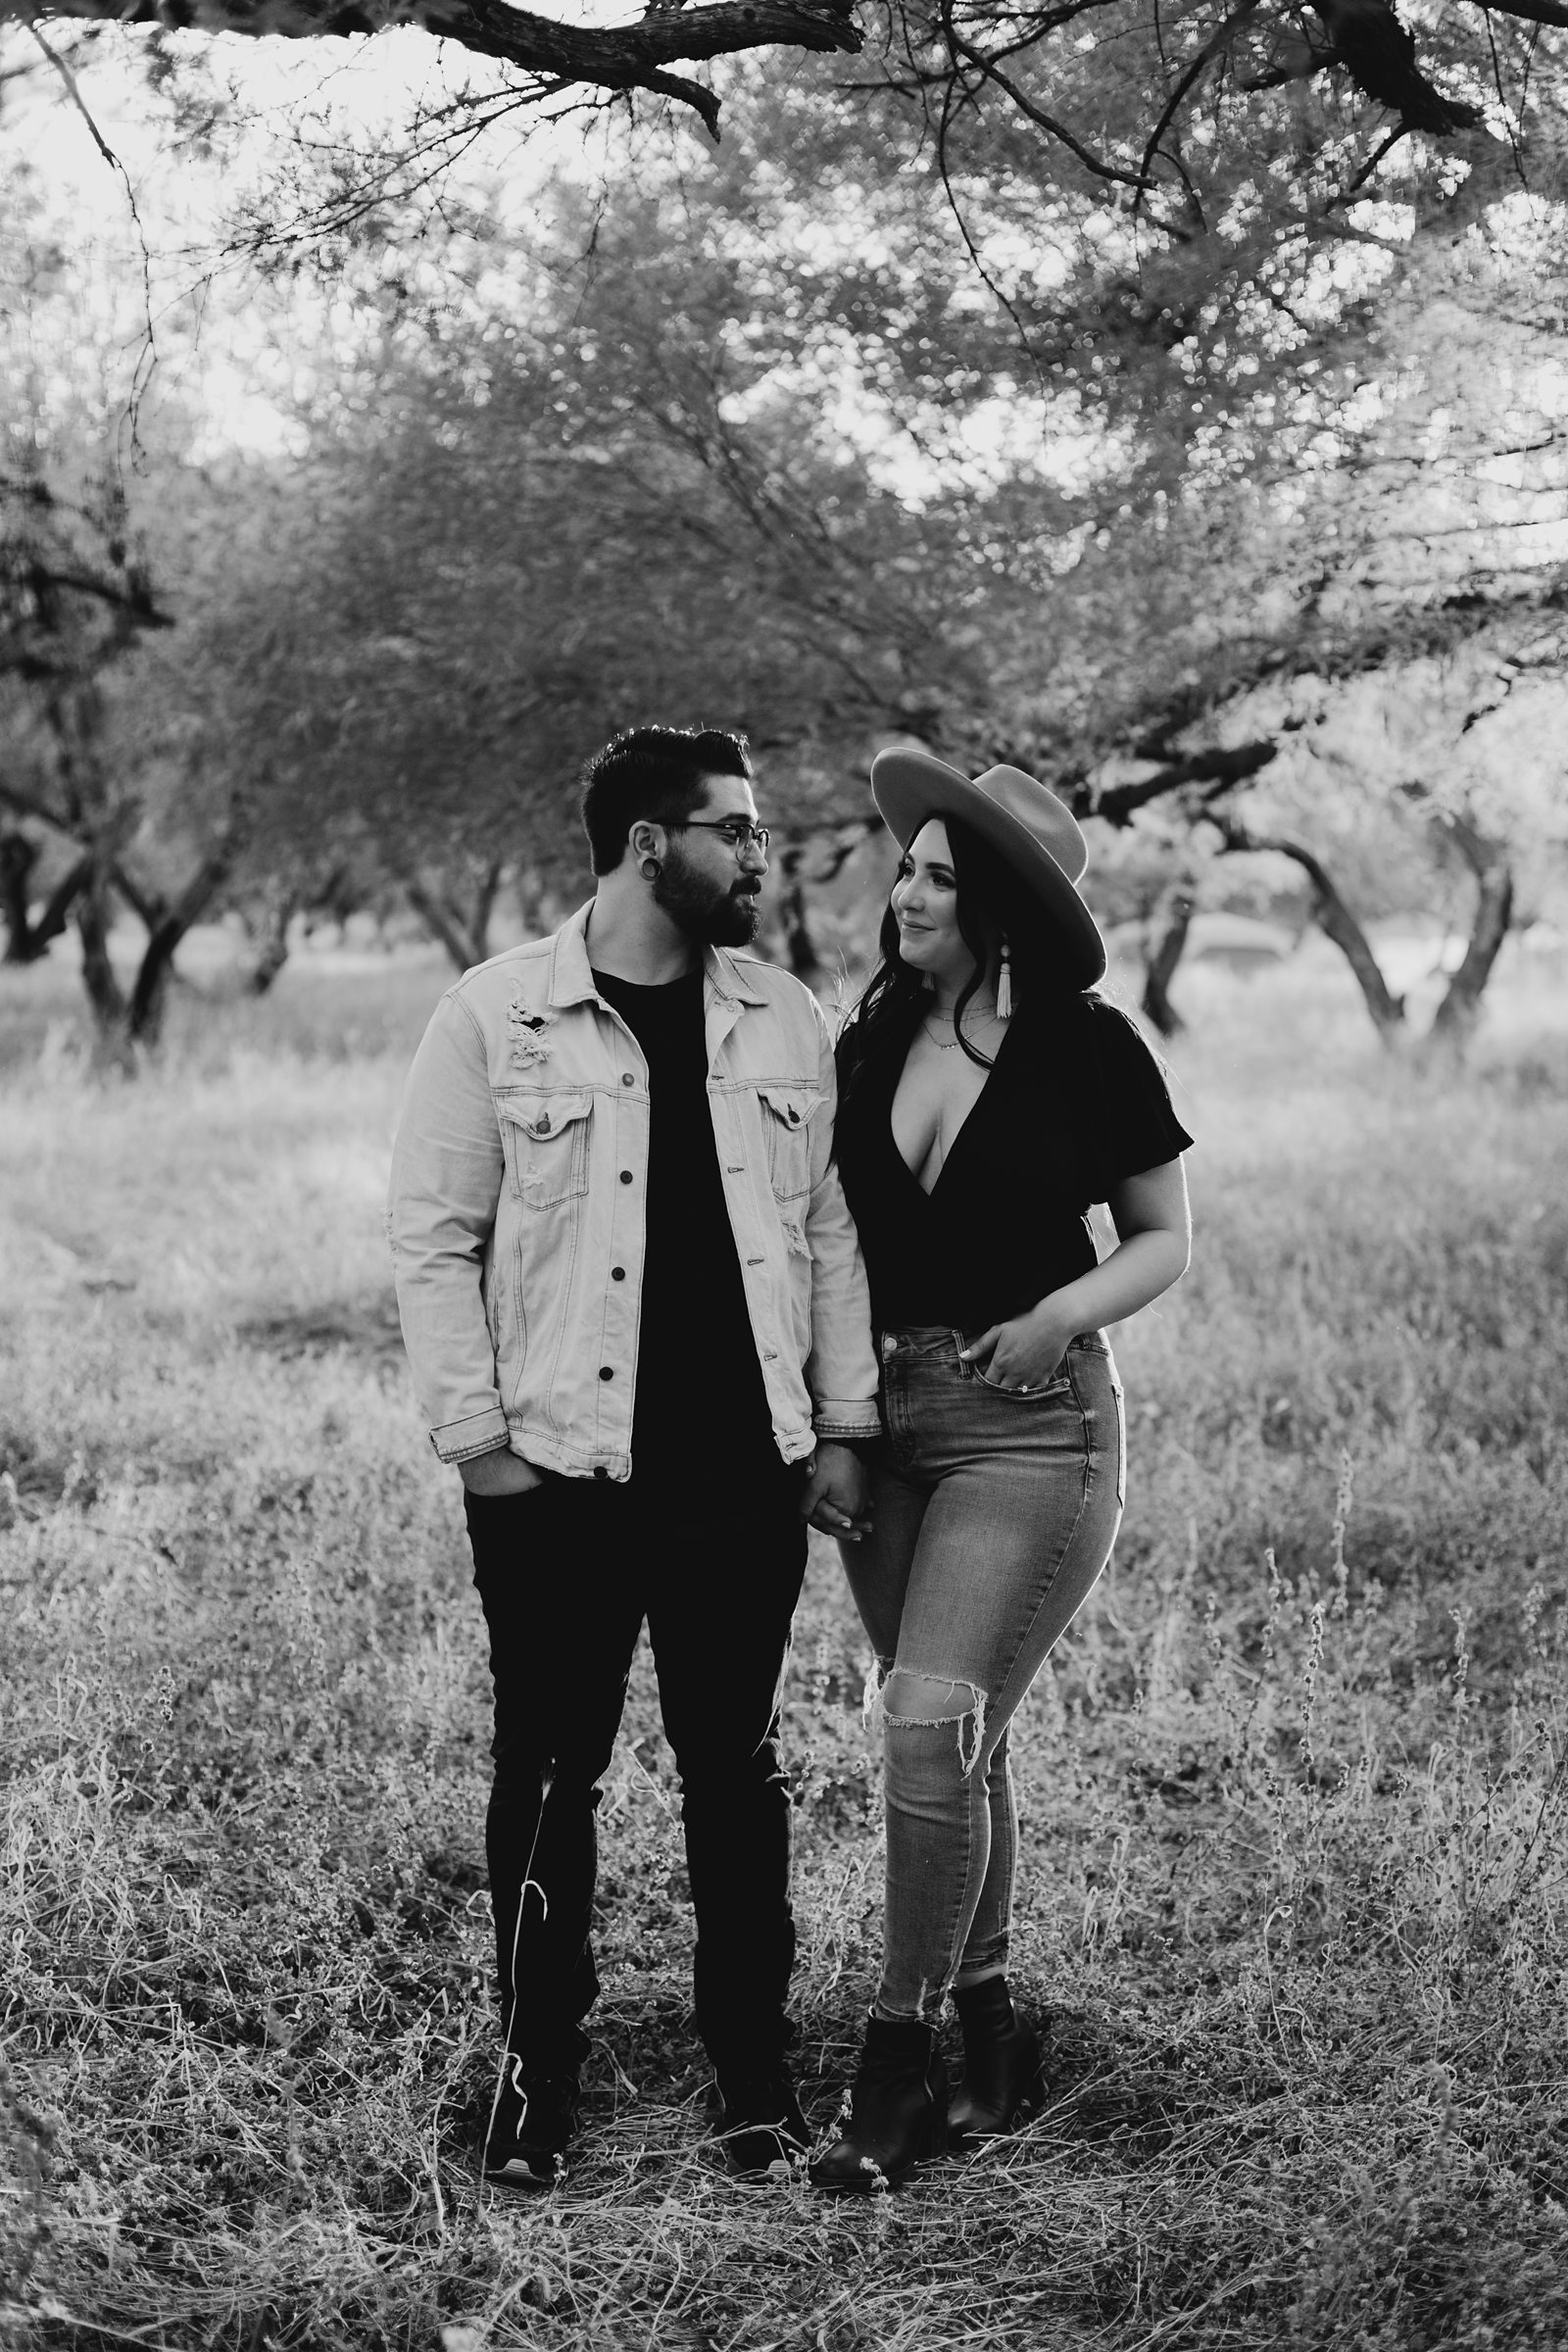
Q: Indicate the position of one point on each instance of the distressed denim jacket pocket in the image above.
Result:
(545, 1134)
(786, 1110)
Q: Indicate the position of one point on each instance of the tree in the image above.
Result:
(95, 761)
(1030, 67)
(760, 445)
(611, 476)
(72, 600)
(75, 600)
(563, 516)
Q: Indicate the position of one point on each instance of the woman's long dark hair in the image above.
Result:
(991, 906)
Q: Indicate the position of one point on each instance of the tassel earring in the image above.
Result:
(1005, 985)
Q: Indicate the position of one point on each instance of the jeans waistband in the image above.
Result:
(919, 1339)
(937, 1339)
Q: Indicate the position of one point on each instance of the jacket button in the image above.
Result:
(544, 1124)
(601, 1472)
(625, 1175)
(628, 1077)
(606, 1373)
(617, 1273)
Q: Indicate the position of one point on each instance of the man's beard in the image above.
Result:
(712, 917)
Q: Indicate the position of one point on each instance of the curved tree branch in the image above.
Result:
(1331, 914)
(1378, 55)
(1366, 39)
(620, 57)
(1210, 49)
(1038, 115)
(1223, 765)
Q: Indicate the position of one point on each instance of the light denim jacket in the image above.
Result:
(519, 1181)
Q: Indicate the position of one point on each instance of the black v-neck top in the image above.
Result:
(1074, 1102)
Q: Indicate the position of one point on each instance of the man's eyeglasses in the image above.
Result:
(740, 833)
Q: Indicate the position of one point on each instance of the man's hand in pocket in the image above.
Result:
(500, 1473)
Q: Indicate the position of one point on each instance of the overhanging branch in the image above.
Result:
(1535, 12)
(622, 57)
(1223, 765)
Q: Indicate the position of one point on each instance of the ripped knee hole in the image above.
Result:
(918, 1701)
(929, 1698)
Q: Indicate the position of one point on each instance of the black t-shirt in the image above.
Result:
(698, 1378)
(1074, 1102)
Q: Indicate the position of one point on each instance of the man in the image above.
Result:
(637, 1317)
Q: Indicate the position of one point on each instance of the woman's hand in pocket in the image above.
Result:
(500, 1473)
(1023, 1355)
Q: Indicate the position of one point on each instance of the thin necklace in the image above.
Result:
(950, 1045)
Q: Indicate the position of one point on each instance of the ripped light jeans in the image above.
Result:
(993, 1514)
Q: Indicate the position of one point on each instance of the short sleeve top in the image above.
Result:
(1074, 1102)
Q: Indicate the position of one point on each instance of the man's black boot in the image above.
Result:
(897, 2110)
(1002, 2083)
(533, 2119)
(764, 2134)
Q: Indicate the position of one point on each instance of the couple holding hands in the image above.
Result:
(679, 1277)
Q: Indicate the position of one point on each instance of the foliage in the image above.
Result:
(586, 506)
(1167, 109)
(90, 770)
(887, 421)
(72, 594)
(121, 749)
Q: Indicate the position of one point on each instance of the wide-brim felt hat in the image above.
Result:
(1020, 817)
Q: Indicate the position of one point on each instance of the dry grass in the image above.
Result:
(1298, 1859)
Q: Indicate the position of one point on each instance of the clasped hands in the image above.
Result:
(1023, 1353)
(834, 1500)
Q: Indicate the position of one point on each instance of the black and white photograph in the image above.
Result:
(784, 1176)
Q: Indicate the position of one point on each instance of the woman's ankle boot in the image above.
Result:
(897, 2110)
(1002, 2083)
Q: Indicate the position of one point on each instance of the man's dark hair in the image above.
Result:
(655, 774)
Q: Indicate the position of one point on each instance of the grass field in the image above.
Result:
(1297, 1883)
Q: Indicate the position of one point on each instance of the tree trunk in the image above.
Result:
(1457, 1015)
(1333, 917)
(1159, 968)
(150, 994)
(18, 857)
(123, 1022)
(26, 940)
(445, 923)
(273, 951)
(798, 941)
(105, 998)
(484, 905)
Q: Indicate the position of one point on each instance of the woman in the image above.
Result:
(987, 1097)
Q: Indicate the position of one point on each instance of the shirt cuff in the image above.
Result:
(843, 1424)
(478, 1433)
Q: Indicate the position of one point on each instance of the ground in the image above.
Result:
(1296, 1857)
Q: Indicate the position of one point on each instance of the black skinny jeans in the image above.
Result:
(567, 1573)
